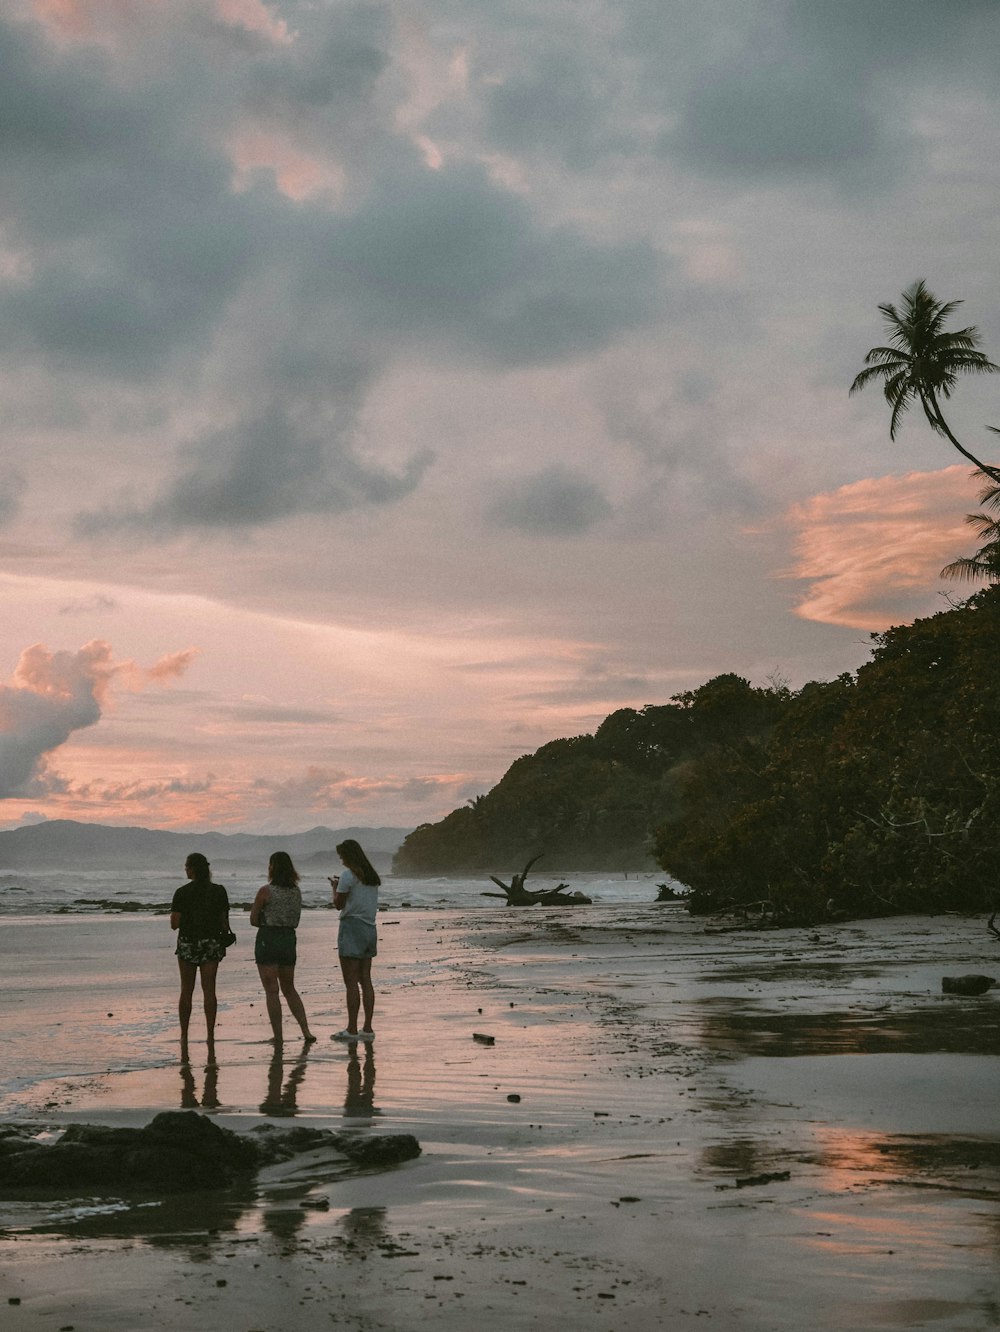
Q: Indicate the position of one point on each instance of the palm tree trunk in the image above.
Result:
(937, 422)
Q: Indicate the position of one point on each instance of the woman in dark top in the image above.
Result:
(275, 916)
(200, 915)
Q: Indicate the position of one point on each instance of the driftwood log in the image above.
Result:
(516, 894)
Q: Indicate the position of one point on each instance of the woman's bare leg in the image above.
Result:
(272, 996)
(209, 971)
(351, 969)
(189, 974)
(286, 979)
(367, 992)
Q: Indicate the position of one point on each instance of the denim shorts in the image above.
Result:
(356, 938)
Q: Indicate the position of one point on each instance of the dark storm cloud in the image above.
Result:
(258, 471)
(778, 119)
(140, 260)
(334, 65)
(898, 33)
(556, 103)
(553, 502)
(135, 239)
(451, 260)
(821, 91)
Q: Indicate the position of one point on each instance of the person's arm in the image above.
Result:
(259, 903)
(224, 914)
(175, 920)
(339, 898)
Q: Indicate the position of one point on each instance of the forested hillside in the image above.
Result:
(875, 792)
(592, 802)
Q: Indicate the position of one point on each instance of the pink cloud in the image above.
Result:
(54, 694)
(873, 551)
(172, 666)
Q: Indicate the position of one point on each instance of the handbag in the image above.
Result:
(229, 939)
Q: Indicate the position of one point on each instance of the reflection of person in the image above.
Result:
(359, 1102)
(355, 895)
(281, 1101)
(189, 1092)
(199, 913)
(275, 915)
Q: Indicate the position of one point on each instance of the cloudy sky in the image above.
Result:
(388, 388)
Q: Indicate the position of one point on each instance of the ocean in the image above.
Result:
(72, 892)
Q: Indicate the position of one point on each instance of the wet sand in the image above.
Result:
(715, 1128)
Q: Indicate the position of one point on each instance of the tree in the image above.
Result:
(985, 563)
(923, 363)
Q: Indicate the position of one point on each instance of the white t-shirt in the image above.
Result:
(362, 898)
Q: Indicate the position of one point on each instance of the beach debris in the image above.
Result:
(483, 1039)
(971, 984)
(768, 1177)
(666, 892)
(514, 1098)
(179, 1151)
(517, 895)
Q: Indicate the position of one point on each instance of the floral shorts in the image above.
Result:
(199, 951)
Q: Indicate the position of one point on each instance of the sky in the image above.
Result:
(390, 388)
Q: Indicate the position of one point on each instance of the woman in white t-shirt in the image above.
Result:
(355, 895)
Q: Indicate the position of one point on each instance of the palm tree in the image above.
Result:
(923, 362)
(985, 563)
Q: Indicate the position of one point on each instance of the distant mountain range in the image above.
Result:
(66, 844)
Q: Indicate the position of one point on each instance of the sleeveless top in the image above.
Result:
(283, 907)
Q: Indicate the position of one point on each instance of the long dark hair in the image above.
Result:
(197, 867)
(280, 870)
(355, 859)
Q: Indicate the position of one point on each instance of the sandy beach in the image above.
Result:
(677, 1125)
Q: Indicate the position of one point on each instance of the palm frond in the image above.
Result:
(969, 569)
(923, 362)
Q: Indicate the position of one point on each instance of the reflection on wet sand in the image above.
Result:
(848, 1157)
(745, 1028)
(209, 1099)
(281, 1097)
(359, 1103)
(364, 1228)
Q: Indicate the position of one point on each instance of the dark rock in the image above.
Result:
(179, 1151)
(384, 1150)
(971, 984)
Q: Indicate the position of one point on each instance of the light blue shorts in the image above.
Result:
(356, 938)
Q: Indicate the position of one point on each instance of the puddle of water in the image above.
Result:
(743, 1027)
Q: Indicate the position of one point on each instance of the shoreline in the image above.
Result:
(657, 1065)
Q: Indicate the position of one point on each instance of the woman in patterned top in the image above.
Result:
(275, 915)
(199, 913)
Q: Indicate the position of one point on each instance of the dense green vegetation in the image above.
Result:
(872, 793)
(591, 802)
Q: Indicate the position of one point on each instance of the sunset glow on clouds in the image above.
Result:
(870, 545)
(391, 389)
